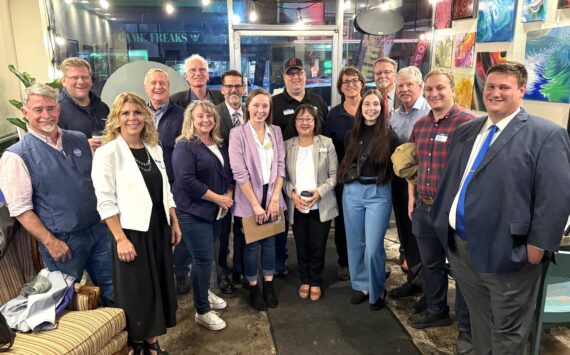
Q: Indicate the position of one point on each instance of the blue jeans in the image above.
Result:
(433, 257)
(199, 236)
(366, 215)
(223, 245)
(90, 250)
(182, 259)
(267, 258)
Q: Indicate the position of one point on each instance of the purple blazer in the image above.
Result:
(246, 166)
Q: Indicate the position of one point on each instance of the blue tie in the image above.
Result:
(459, 225)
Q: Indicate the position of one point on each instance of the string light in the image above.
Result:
(300, 24)
(169, 8)
(236, 19)
(69, 2)
(205, 2)
(347, 5)
(60, 41)
(253, 14)
(104, 4)
(385, 5)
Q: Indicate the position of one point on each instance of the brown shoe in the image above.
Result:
(303, 291)
(315, 293)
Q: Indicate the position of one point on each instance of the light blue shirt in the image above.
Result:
(403, 122)
(159, 112)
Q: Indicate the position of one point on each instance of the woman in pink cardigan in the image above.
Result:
(257, 159)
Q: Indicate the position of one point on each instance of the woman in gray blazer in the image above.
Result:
(311, 165)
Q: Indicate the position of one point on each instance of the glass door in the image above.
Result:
(261, 54)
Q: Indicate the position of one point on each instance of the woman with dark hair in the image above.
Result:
(203, 194)
(257, 159)
(339, 121)
(311, 176)
(366, 172)
(134, 200)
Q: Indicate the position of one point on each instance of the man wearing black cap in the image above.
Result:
(293, 95)
(284, 104)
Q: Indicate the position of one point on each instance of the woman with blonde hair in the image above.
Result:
(203, 193)
(134, 200)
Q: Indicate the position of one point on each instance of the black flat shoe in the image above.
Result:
(379, 304)
(225, 285)
(358, 297)
(148, 348)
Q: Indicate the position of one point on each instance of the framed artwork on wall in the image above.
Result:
(484, 60)
(443, 51)
(442, 14)
(464, 50)
(563, 4)
(463, 87)
(533, 10)
(463, 9)
(546, 59)
(496, 20)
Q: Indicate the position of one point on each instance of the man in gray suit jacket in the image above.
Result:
(501, 208)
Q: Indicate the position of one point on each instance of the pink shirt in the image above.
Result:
(15, 180)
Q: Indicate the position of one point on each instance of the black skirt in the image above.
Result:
(144, 288)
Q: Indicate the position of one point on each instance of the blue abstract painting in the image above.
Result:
(533, 10)
(546, 59)
(496, 20)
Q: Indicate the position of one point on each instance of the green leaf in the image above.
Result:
(56, 84)
(18, 122)
(25, 78)
(17, 104)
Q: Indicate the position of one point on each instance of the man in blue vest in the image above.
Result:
(46, 179)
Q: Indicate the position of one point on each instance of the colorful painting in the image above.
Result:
(463, 9)
(533, 10)
(442, 14)
(443, 51)
(563, 4)
(464, 50)
(546, 60)
(496, 20)
(463, 88)
(484, 61)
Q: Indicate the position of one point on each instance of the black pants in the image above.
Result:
(339, 231)
(311, 240)
(404, 225)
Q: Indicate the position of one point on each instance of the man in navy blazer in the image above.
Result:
(502, 212)
(168, 118)
(197, 76)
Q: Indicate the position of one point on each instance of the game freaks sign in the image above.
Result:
(162, 37)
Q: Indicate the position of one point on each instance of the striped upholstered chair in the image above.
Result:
(99, 331)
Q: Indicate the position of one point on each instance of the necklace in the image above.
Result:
(144, 166)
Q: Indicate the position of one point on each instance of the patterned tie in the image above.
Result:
(459, 225)
(236, 118)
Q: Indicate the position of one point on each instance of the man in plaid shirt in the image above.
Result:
(432, 135)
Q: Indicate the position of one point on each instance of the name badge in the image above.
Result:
(323, 150)
(288, 111)
(77, 152)
(160, 164)
(441, 137)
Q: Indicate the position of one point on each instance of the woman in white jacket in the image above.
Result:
(134, 199)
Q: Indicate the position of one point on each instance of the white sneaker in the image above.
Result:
(215, 301)
(210, 320)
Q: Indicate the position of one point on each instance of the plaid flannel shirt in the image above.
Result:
(432, 140)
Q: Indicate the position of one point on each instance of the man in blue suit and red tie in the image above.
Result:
(501, 209)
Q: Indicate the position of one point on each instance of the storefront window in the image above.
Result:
(130, 31)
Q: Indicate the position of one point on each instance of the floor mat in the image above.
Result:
(332, 325)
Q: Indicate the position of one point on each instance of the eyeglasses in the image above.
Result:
(305, 120)
(295, 73)
(353, 82)
(384, 72)
(195, 71)
(231, 87)
(76, 78)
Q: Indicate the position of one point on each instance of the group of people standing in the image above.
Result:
(179, 167)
